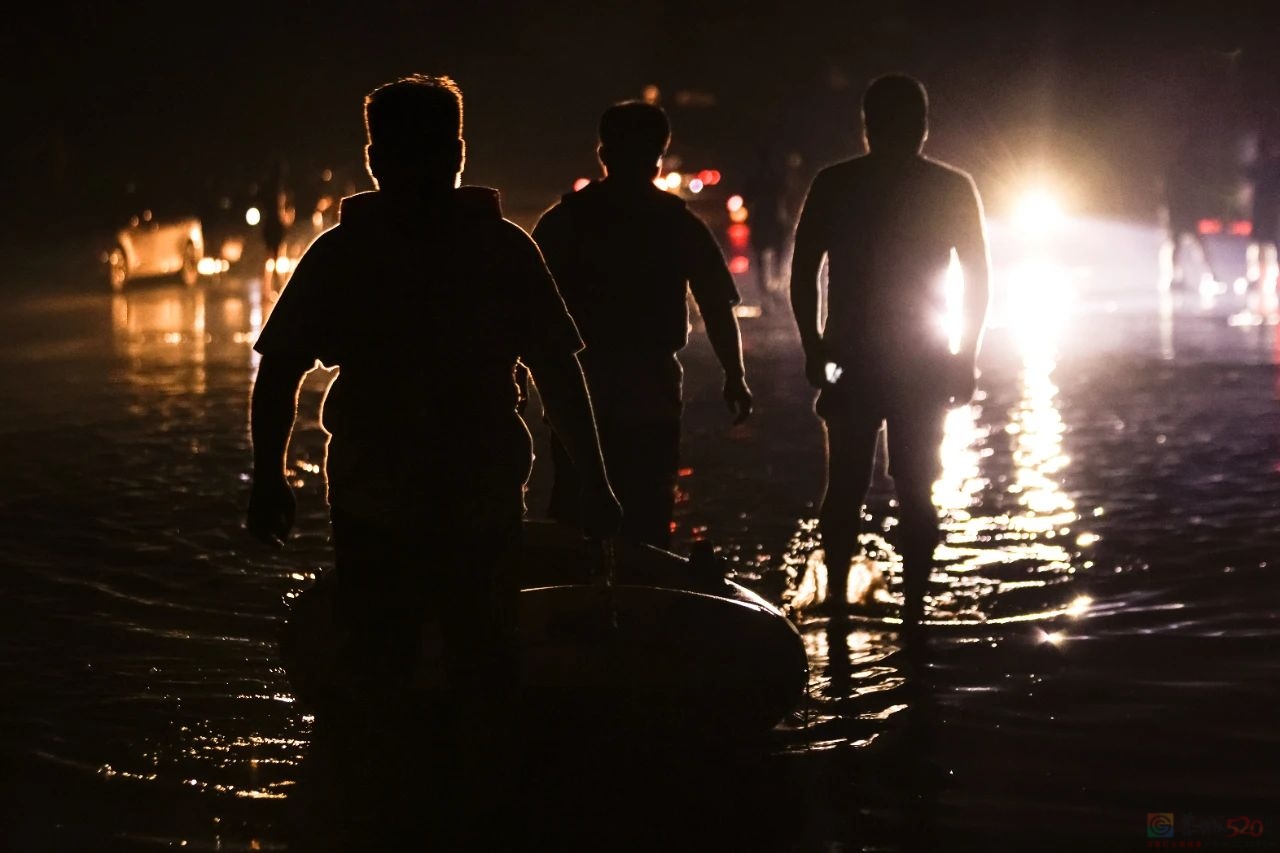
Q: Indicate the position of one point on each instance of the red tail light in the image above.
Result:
(1209, 226)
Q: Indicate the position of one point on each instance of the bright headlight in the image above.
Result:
(1038, 211)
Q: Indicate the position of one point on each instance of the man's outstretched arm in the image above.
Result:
(716, 295)
(272, 410)
(806, 261)
(726, 340)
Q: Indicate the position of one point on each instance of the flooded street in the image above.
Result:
(1104, 613)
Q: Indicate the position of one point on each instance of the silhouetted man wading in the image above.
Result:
(887, 223)
(626, 255)
(425, 297)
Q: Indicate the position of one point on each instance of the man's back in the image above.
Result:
(624, 257)
(425, 307)
(888, 225)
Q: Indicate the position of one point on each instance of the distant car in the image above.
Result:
(150, 247)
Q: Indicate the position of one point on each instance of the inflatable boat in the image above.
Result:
(640, 637)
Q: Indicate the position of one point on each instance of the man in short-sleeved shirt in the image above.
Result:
(888, 223)
(424, 297)
(626, 255)
(425, 310)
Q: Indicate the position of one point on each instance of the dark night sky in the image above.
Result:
(104, 95)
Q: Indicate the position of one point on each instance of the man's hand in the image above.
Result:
(272, 508)
(815, 367)
(737, 396)
(962, 381)
(601, 512)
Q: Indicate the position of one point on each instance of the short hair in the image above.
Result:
(635, 127)
(895, 106)
(413, 111)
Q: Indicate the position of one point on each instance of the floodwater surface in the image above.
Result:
(1103, 616)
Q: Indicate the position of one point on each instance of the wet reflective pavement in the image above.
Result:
(1102, 618)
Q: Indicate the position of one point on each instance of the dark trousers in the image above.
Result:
(915, 430)
(642, 459)
(636, 397)
(392, 580)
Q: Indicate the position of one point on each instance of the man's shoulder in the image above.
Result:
(554, 216)
(668, 202)
(844, 169)
(327, 247)
(682, 214)
(855, 168)
(943, 172)
(844, 177)
(509, 244)
(478, 201)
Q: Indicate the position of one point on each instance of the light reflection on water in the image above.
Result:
(1009, 550)
(168, 677)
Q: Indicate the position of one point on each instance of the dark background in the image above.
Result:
(175, 98)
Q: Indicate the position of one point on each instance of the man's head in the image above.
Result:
(633, 137)
(895, 114)
(413, 128)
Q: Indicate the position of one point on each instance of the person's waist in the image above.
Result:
(367, 408)
(621, 354)
(412, 465)
(642, 328)
(430, 433)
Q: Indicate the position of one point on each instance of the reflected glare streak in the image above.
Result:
(815, 646)
(1079, 606)
(885, 714)
(885, 685)
(960, 486)
(1038, 457)
(1009, 554)
(168, 337)
(1012, 585)
(1029, 536)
